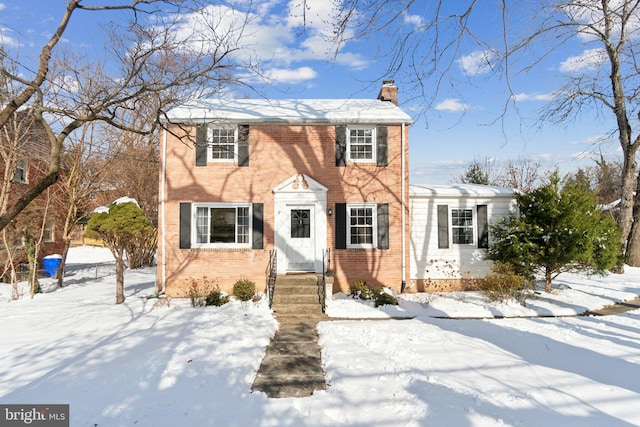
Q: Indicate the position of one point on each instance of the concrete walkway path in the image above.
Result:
(292, 365)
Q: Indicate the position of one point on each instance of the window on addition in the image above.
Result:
(462, 226)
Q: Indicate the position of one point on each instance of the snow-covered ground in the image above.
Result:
(143, 364)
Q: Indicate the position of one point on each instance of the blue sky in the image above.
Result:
(462, 123)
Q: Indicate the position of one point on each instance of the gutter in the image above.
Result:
(404, 211)
(163, 180)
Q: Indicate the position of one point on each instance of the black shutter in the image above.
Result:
(341, 226)
(185, 225)
(443, 226)
(382, 156)
(201, 145)
(483, 227)
(383, 226)
(341, 146)
(243, 146)
(258, 226)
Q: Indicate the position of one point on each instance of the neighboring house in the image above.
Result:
(321, 183)
(24, 159)
(450, 233)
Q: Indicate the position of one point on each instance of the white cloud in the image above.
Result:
(275, 37)
(589, 60)
(5, 39)
(478, 62)
(291, 76)
(413, 20)
(521, 97)
(452, 105)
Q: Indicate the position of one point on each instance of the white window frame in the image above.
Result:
(210, 143)
(249, 225)
(374, 225)
(49, 234)
(472, 226)
(21, 165)
(373, 143)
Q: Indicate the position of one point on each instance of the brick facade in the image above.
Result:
(276, 153)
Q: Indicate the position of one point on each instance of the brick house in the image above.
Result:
(24, 160)
(320, 184)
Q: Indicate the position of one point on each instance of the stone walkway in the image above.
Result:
(292, 365)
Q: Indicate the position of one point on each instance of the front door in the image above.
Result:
(301, 251)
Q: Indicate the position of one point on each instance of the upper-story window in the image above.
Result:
(361, 143)
(21, 171)
(223, 143)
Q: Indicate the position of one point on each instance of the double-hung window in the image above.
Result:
(222, 225)
(223, 143)
(21, 171)
(462, 226)
(361, 143)
(361, 225)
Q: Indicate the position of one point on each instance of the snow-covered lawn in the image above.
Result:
(146, 365)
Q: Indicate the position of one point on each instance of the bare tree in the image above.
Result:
(522, 174)
(84, 171)
(148, 66)
(477, 172)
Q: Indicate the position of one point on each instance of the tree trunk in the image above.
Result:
(63, 262)
(547, 280)
(632, 254)
(120, 278)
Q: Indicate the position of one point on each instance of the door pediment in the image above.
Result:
(300, 183)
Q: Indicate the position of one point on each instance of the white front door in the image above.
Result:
(301, 239)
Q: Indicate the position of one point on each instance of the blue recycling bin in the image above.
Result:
(51, 263)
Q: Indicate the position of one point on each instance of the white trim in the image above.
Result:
(163, 224)
(374, 225)
(292, 192)
(221, 205)
(374, 143)
(403, 190)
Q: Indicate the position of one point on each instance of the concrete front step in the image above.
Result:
(279, 298)
(298, 309)
(297, 280)
(296, 290)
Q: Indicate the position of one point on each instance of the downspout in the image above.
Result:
(404, 213)
(163, 173)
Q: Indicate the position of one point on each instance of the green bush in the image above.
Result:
(503, 284)
(384, 298)
(216, 298)
(361, 290)
(244, 289)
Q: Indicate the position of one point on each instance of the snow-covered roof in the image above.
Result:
(295, 111)
(459, 190)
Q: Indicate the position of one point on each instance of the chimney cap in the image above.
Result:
(388, 82)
